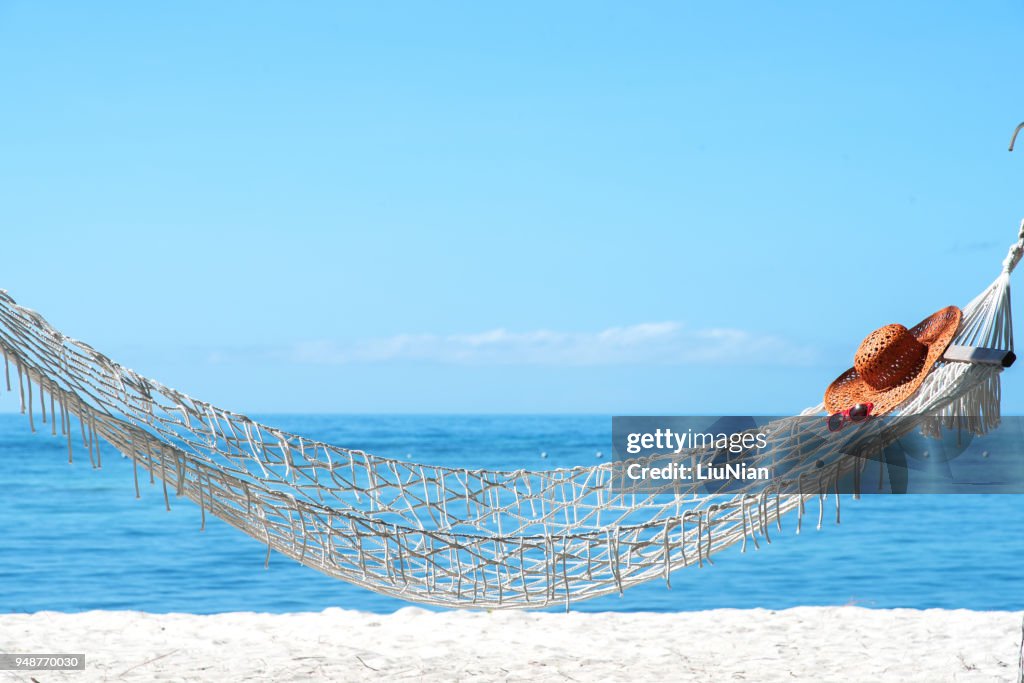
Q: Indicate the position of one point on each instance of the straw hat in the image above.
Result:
(892, 362)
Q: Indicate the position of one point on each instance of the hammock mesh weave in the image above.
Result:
(448, 536)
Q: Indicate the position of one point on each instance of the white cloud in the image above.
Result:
(662, 343)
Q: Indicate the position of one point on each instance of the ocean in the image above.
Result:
(73, 538)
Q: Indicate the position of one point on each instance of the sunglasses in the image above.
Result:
(857, 413)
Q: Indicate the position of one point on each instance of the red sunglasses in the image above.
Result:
(857, 413)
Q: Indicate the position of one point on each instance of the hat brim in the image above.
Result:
(936, 332)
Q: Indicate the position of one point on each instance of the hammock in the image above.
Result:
(448, 536)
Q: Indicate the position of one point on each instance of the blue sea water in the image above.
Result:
(73, 538)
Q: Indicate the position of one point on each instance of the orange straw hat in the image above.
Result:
(892, 362)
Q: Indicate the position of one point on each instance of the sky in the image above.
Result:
(582, 207)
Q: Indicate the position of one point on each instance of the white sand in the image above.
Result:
(801, 644)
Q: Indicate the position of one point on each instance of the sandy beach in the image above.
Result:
(804, 643)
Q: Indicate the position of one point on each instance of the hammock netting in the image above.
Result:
(449, 536)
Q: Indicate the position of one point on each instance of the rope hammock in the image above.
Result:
(460, 537)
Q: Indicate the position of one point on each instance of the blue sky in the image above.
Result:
(519, 207)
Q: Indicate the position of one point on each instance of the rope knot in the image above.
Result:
(1016, 251)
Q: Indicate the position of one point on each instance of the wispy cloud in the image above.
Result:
(984, 245)
(661, 343)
